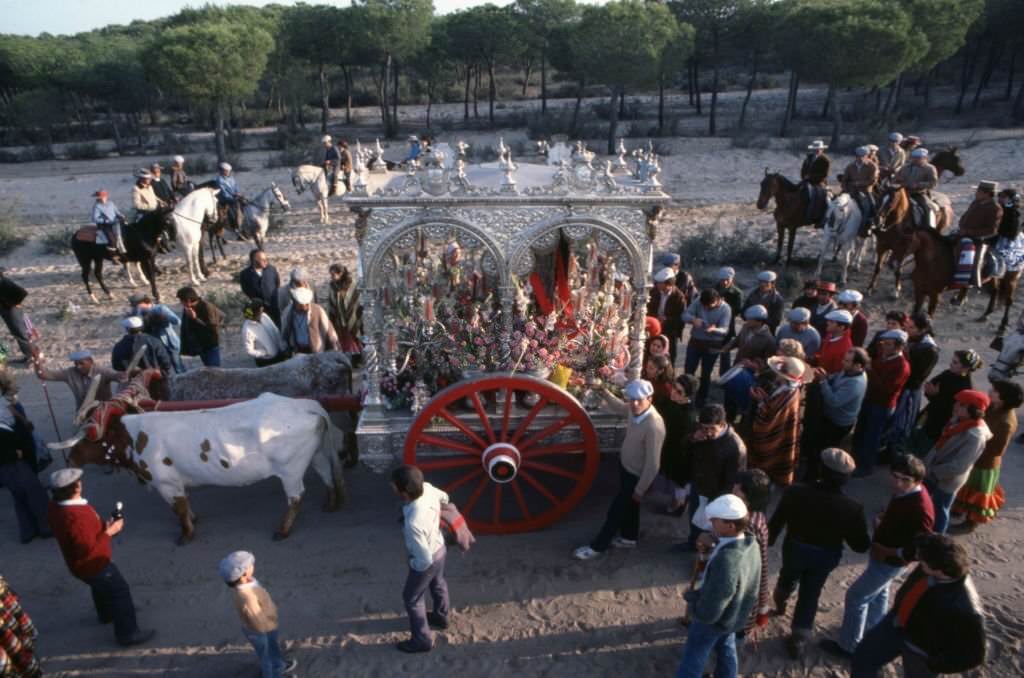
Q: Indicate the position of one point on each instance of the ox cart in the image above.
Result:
(497, 300)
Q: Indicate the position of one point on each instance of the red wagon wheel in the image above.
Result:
(508, 468)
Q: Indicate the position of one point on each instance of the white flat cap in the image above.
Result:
(919, 153)
(726, 507)
(726, 273)
(838, 460)
(767, 276)
(799, 315)
(224, 166)
(639, 389)
(670, 259)
(840, 316)
(235, 565)
(756, 312)
(64, 477)
(325, 139)
(895, 137)
(895, 335)
(80, 354)
(302, 295)
(664, 275)
(413, 137)
(133, 322)
(178, 159)
(816, 145)
(850, 297)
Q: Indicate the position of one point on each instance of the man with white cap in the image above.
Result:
(84, 540)
(200, 327)
(888, 373)
(919, 177)
(835, 343)
(297, 278)
(154, 355)
(722, 603)
(180, 183)
(859, 180)
(229, 194)
(305, 327)
(766, 294)
(639, 460)
(80, 374)
(799, 329)
(684, 281)
(892, 157)
(849, 300)
(814, 180)
(257, 612)
(667, 304)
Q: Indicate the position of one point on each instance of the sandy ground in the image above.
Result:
(521, 605)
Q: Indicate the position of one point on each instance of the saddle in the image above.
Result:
(817, 204)
(86, 234)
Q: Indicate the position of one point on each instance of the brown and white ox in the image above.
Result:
(230, 446)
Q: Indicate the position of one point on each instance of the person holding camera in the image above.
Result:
(84, 540)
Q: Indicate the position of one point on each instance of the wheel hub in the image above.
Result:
(501, 461)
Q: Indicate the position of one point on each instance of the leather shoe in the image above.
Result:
(410, 647)
(795, 647)
(436, 621)
(138, 638)
(835, 649)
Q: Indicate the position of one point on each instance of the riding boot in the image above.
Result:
(979, 262)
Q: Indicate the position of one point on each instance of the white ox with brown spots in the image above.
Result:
(229, 446)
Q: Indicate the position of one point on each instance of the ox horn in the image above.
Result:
(69, 443)
(90, 399)
(766, 171)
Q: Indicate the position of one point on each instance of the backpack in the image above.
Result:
(454, 528)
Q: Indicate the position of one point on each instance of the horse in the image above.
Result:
(140, 243)
(842, 235)
(315, 179)
(934, 261)
(257, 214)
(191, 212)
(1010, 247)
(895, 215)
(948, 160)
(790, 208)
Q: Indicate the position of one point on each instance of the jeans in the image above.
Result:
(883, 644)
(623, 515)
(943, 502)
(868, 436)
(176, 362)
(903, 419)
(113, 601)
(269, 652)
(701, 639)
(211, 357)
(14, 318)
(867, 601)
(29, 497)
(706, 360)
(416, 586)
(808, 567)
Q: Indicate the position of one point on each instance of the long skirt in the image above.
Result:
(981, 497)
(903, 419)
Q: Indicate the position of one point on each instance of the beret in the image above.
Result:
(919, 153)
(838, 460)
(840, 316)
(726, 507)
(799, 315)
(302, 295)
(298, 274)
(670, 259)
(64, 477)
(138, 298)
(861, 151)
(639, 389)
(895, 136)
(235, 565)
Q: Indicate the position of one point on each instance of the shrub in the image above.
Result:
(85, 151)
(57, 242)
(200, 164)
(10, 239)
(9, 157)
(230, 301)
(174, 144)
(292, 156)
(36, 153)
(708, 247)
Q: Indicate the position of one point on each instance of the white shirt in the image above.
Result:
(422, 528)
(261, 339)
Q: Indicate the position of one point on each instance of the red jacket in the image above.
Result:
(886, 379)
(859, 329)
(82, 537)
(830, 357)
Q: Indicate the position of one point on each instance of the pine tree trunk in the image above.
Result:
(394, 106)
(325, 98)
(754, 63)
(527, 74)
(967, 73)
(382, 94)
(1018, 104)
(430, 101)
(1010, 74)
(218, 133)
(469, 79)
(837, 117)
(661, 104)
(689, 82)
(787, 115)
(544, 82)
(713, 115)
(613, 119)
(491, 92)
(577, 107)
(995, 53)
(476, 92)
(116, 129)
(348, 94)
(828, 102)
(696, 85)
(928, 88)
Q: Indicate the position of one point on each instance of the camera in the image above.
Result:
(118, 512)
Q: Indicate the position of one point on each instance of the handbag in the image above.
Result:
(454, 528)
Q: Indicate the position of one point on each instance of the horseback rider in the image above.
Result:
(345, 164)
(814, 181)
(872, 153)
(144, 198)
(108, 220)
(161, 188)
(229, 196)
(331, 163)
(859, 180)
(919, 177)
(892, 157)
(980, 223)
(180, 183)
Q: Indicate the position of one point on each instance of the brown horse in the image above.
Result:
(933, 264)
(1005, 287)
(897, 225)
(790, 208)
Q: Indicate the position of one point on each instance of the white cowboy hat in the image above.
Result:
(817, 144)
(788, 367)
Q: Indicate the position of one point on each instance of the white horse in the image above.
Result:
(841, 235)
(257, 213)
(315, 179)
(189, 214)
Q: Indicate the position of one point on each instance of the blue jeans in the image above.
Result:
(269, 652)
(211, 357)
(943, 502)
(113, 601)
(881, 645)
(701, 639)
(867, 438)
(623, 515)
(808, 567)
(29, 499)
(706, 360)
(416, 586)
(867, 601)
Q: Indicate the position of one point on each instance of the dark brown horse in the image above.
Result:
(141, 242)
(897, 225)
(790, 208)
(948, 160)
(1005, 287)
(933, 264)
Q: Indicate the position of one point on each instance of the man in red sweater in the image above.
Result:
(84, 541)
(849, 301)
(835, 343)
(888, 373)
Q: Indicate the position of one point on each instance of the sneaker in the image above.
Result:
(436, 621)
(834, 648)
(623, 543)
(585, 553)
(410, 647)
(138, 638)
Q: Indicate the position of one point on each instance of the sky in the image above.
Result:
(61, 17)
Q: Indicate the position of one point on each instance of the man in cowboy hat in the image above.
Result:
(814, 181)
(331, 162)
(78, 376)
(980, 223)
(859, 180)
(919, 177)
(888, 373)
(144, 198)
(766, 294)
(667, 304)
(85, 541)
(823, 305)
(180, 183)
(229, 194)
(108, 220)
(639, 460)
(892, 157)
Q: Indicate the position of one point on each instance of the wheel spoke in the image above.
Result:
(530, 416)
(451, 462)
(547, 431)
(438, 441)
(478, 406)
(520, 499)
(471, 502)
(470, 433)
(509, 396)
(554, 470)
(496, 517)
(451, 487)
(537, 486)
(549, 450)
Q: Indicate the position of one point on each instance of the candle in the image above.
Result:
(428, 309)
(410, 278)
(625, 300)
(387, 296)
(613, 345)
(392, 342)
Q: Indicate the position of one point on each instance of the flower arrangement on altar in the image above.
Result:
(537, 346)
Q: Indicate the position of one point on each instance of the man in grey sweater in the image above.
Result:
(833, 403)
(721, 603)
(799, 328)
(711, 320)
